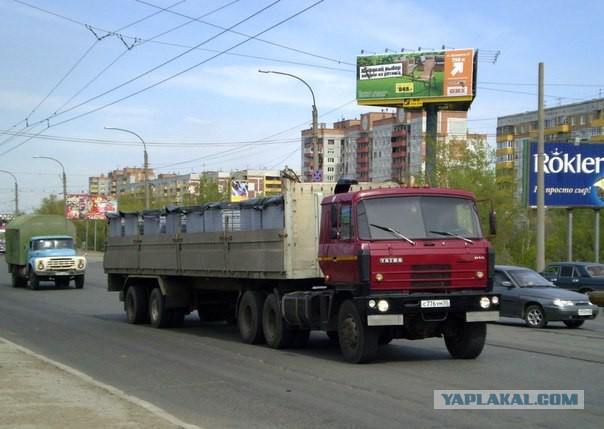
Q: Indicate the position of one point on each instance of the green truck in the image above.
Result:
(41, 248)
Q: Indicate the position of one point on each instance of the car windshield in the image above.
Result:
(529, 278)
(595, 270)
(417, 217)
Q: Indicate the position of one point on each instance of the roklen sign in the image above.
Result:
(573, 175)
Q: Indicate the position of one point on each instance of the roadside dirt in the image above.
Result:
(35, 393)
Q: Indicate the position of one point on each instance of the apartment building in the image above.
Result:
(380, 146)
(573, 123)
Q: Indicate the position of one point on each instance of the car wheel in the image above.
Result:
(574, 324)
(534, 316)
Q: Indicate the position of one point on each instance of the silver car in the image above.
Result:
(525, 294)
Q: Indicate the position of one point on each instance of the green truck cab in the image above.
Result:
(42, 248)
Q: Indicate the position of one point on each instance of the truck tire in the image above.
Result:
(276, 332)
(249, 317)
(136, 306)
(468, 341)
(34, 281)
(358, 342)
(79, 282)
(17, 280)
(159, 315)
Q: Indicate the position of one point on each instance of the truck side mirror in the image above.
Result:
(492, 223)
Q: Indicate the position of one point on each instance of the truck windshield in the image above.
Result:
(48, 244)
(418, 217)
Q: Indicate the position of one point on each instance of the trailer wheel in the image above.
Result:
(468, 341)
(358, 341)
(136, 307)
(276, 332)
(250, 317)
(159, 315)
(34, 281)
(79, 281)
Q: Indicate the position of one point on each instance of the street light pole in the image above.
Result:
(315, 148)
(64, 178)
(16, 192)
(145, 165)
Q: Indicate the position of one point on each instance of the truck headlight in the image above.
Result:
(485, 302)
(81, 264)
(383, 305)
(40, 265)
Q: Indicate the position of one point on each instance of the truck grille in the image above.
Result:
(61, 263)
(437, 275)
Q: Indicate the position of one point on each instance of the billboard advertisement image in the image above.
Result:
(239, 190)
(573, 175)
(84, 206)
(413, 79)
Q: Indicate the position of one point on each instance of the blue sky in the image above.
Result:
(191, 89)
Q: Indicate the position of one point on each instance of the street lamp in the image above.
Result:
(16, 192)
(315, 149)
(146, 163)
(64, 176)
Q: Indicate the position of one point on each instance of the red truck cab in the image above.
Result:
(414, 261)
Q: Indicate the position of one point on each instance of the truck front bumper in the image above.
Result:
(390, 310)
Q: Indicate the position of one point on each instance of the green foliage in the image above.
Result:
(515, 241)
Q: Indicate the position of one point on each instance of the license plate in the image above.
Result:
(585, 312)
(435, 303)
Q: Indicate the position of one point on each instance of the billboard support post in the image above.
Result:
(569, 236)
(597, 235)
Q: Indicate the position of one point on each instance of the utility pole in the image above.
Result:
(540, 242)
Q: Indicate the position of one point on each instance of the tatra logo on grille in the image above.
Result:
(391, 260)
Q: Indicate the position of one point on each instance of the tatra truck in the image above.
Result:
(41, 248)
(365, 263)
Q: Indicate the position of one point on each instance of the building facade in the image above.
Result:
(574, 123)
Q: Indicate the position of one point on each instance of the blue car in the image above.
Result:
(525, 294)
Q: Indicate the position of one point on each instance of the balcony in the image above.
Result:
(504, 138)
(597, 122)
(559, 129)
(504, 151)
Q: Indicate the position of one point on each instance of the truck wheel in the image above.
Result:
(249, 317)
(16, 280)
(34, 281)
(79, 281)
(135, 305)
(159, 315)
(276, 332)
(358, 341)
(468, 340)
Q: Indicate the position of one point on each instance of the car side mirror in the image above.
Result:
(507, 284)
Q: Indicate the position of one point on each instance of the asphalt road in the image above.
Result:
(204, 375)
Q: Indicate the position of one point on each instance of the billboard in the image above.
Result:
(239, 190)
(413, 79)
(84, 206)
(573, 175)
